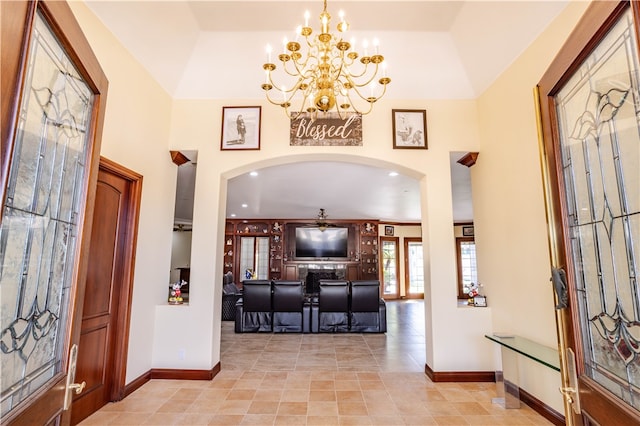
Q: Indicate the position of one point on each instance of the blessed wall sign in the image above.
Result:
(326, 129)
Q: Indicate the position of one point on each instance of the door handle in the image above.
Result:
(72, 387)
(78, 387)
(571, 392)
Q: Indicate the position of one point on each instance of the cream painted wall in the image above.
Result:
(136, 132)
(508, 204)
(142, 123)
(197, 122)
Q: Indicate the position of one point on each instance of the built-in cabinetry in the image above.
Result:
(361, 262)
(369, 250)
(253, 233)
(229, 244)
(276, 251)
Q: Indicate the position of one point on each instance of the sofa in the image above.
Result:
(230, 295)
(290, 309)
(368, 309)
(330, 310)
(254, 310)
(340, 306)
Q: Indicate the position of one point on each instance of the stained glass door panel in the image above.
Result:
(596, 212)
(598, 115)
(42, 218)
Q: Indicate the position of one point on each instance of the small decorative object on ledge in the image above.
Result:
(475, 298)
(480, 301)
(175, 294)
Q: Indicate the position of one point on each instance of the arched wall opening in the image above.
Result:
(229, 174)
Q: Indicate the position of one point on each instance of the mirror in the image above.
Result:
(464, 229)
(179, 275)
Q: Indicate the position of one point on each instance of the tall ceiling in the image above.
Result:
(210, 49)
(434, 49)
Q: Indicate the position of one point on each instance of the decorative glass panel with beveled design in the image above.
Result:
(38, 237)
(599, 111)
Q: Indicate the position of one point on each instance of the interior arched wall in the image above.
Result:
(452, 332)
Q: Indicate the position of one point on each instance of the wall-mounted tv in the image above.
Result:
(316, 242)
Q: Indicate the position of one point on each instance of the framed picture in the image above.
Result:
(388, 231)
(467, 231)
(240, 128)
(480, 301)
(409, 128)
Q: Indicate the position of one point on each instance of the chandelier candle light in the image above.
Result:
(330, 76)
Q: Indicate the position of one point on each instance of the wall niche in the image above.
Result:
(180, 269)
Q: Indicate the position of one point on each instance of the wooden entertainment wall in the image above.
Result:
(363, 249)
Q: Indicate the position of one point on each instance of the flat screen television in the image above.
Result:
(314, 242)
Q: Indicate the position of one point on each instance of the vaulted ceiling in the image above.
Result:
(434, 49)
(210, 49)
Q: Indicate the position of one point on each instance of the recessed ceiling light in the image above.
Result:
(233, 215)
(393, 174)
(245, 205)
(253, 174)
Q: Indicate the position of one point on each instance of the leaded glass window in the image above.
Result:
(38, 237)
(599, 111)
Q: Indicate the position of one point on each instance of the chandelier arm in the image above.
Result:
(357, 109)
(301, 68)
(369, 99)
(294, 73)
(271, 100)
(365, 70)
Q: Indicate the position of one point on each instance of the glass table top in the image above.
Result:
(537, 352)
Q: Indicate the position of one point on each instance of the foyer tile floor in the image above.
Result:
(325, 379)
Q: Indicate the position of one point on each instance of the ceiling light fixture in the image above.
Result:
(321, 223)
(328, 76)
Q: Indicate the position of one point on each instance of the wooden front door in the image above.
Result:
(590, 122)
(52, 100)
(105, 319)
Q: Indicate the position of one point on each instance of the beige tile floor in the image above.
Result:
(324, 379)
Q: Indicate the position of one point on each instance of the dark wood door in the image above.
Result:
(591, 150)
(106, 300)
(52, 107)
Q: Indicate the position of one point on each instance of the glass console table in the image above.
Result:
(507, 379)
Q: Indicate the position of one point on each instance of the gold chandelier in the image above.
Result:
(330, 76)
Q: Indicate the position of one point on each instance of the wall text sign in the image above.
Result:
(326, 129)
